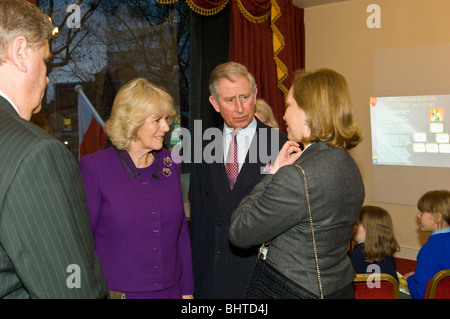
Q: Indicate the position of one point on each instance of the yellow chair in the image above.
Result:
(388, 288)
(438, 287)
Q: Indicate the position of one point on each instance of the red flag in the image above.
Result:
(92, 137)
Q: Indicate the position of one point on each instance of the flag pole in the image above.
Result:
(79, 90)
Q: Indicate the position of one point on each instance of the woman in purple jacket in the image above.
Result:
(135, 203)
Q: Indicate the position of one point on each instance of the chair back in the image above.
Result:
(376, 286)
(438, 287)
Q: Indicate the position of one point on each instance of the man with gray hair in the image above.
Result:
(222, 270)
(46, 245)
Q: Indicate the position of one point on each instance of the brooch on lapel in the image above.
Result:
(167, 161)
(167, 172)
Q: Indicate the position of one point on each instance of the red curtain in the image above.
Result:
(267, 36)
(271, 49)
(32, 1)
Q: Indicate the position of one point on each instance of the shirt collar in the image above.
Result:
(441, 231)
(10, 102)
(130, 168)
(248, 131)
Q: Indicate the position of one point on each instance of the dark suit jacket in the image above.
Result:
(277, 210)
(222, 270)
(46, 245)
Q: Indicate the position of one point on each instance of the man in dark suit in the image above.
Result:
(46, 245)
(222, 270)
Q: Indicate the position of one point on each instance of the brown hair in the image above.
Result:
(135, 101)
(437, 201)
(21, 18)
(325, 98)
(380, 240)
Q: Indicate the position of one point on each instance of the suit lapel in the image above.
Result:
(219, 174)
(248, 169)
(217, 171)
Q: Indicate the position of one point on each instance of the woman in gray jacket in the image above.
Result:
(308, 204)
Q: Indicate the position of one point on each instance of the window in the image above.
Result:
(102, 44)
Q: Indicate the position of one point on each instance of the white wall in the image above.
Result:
(337, 36)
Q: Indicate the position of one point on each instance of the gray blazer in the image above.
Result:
(46, 244)
(277, 210)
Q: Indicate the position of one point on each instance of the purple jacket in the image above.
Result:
(138, 221)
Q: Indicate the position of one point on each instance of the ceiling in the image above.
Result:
(311, 3)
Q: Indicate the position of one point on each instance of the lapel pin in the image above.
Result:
(167, 172)
(268, 167)
(167, 161)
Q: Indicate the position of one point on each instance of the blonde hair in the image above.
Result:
(135, 101)
(325, 98)
(230, 71)
(21, 18)
(437, 201)
(380, 240)
(265, 111)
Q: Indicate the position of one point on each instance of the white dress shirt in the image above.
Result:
(244, 138)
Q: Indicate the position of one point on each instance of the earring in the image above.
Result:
(306, 121)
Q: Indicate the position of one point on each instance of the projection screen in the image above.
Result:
(410, 122)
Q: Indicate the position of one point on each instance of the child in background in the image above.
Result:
(375, 242)
(434, 256)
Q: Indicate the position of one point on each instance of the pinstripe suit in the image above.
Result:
(222, 270)
(44, 224)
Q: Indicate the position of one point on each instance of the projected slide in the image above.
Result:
(411, 130)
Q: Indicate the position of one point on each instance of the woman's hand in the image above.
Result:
(289, 153)
(188, 297)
